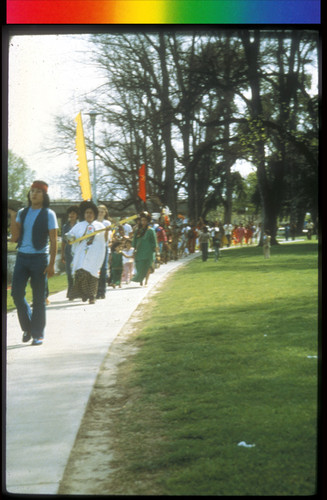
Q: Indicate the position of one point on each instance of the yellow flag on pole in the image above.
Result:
(84, 176)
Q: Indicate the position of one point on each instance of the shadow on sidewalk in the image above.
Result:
(17, 346)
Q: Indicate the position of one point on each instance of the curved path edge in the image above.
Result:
(48, 387)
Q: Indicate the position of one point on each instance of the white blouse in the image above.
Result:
(88, 254)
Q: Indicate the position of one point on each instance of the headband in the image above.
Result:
(40, 185)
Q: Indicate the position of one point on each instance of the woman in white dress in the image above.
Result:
(88, 254)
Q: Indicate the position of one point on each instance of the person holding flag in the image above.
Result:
(89, 253)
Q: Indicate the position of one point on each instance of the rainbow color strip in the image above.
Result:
(163, 11)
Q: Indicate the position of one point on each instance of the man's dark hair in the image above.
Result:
(46, 199)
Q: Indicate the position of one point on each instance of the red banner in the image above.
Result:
(142, 183)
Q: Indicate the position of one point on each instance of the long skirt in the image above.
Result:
(85, 285)
(142, 268)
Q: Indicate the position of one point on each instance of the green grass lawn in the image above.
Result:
(223, 358)
(56, 284)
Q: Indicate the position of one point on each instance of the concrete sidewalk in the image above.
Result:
(48, 386)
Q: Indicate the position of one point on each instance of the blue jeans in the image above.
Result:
(30, 266)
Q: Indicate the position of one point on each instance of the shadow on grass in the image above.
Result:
(225, 307)
(226, 365)
(246, 320)
(239, 355)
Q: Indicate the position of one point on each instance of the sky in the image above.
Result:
(48, 76)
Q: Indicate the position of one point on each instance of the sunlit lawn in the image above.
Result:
(227, 354)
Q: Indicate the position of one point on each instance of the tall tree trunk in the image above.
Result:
(166, 110)
(228, 99)
(191, 176)
(269, 215)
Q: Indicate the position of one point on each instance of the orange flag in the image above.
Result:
(142, 183)
(83, 170)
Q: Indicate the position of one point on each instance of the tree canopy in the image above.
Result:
(20, 177)
(191, 104)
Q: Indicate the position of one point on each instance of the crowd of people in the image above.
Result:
(97, 252)
(130, 250)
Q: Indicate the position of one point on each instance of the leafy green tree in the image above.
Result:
(276, 113)
(220, 63)
(247, 200)
(190, 105)
(20, 177)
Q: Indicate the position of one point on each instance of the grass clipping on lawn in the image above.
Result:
(218, 357)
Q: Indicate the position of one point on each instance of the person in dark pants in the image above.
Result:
(31, 228)
(216, 241)
(103, 216)
(293, 231)
(66, 249)
(204, 243)
(310, 227)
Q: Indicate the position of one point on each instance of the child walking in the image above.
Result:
(128, 261)
(116, 264)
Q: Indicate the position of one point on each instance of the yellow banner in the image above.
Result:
(84, 176)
